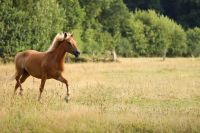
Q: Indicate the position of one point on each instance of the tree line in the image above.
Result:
(100, 27)
(185, 12)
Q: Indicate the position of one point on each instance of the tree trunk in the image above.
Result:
(114, 55)
(93, 56)
(164, 54)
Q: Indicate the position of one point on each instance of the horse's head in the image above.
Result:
(71, 46)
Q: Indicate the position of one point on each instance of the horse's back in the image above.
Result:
(22, 58)
(19, 58)
(22, 55)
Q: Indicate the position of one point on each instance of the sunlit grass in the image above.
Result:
(132, 95)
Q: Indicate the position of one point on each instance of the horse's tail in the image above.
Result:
(16, 71)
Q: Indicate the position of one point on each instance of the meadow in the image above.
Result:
(131, 95)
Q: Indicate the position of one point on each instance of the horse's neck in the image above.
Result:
(59, 54)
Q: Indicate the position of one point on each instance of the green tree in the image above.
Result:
(96, 42)
(112, 18)
(93, 10)
(124, 48)
(178, 45)
(96, 39)
(134, 31)
(185, 12)
(193, 41)
(74, 14)
(156, 31)
(90, 46)
(113, 21)
(25, 5)
(47, 21)
(144, 4)
(162, 34)
(13, 27)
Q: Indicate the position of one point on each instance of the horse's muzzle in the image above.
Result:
(76, 53)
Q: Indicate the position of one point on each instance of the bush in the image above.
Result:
(193, 41)
(161, 34)
(124, 48)
(178, 46)
(13, 27)
(20, 30)
(46, 22)
(101, 26)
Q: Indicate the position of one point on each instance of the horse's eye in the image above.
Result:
(69, 43)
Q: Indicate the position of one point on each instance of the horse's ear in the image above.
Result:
(72, 34)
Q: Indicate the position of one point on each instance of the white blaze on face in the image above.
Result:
(73, 42)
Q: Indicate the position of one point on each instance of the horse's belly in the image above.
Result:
(40, 71)
(33, 67)
(36, 65)
(34, 72)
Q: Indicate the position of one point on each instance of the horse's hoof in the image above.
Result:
(67, 98)
(20, 93)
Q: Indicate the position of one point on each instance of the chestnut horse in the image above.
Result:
(45, 65)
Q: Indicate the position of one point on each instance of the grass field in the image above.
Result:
(132, 95)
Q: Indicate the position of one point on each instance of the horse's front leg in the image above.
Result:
(63, 80)
(43, 80)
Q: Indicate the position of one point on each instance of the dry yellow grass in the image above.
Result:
(133, 95)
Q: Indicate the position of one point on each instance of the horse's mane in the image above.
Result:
(56, 41)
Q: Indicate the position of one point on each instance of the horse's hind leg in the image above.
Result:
(19, 80)
(24, 76)
(17, 77)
